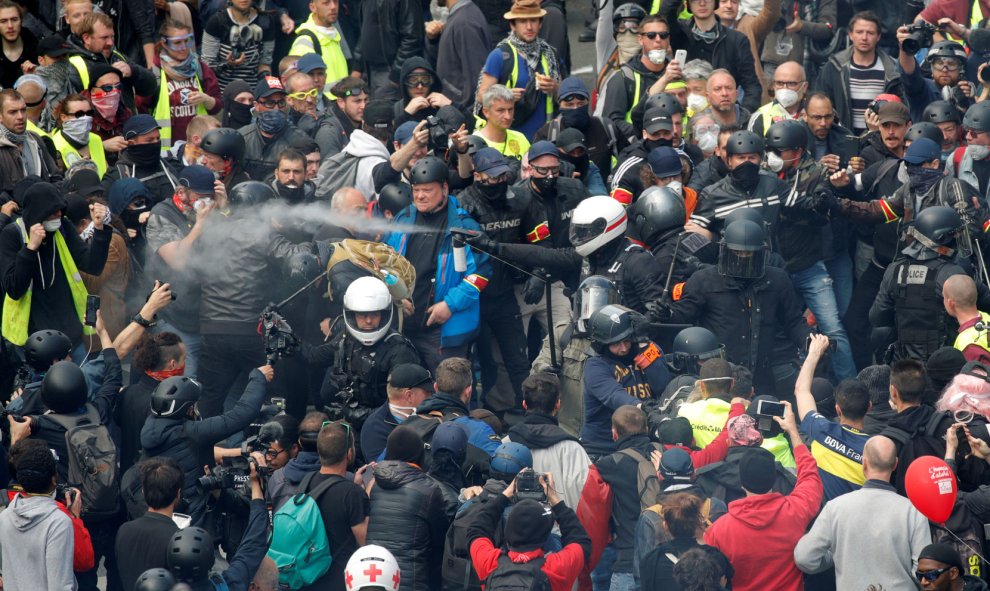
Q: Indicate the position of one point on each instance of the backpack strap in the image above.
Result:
(319, 489)
(672, 557)
(90, 417)
(898, 435)
(932, 427)
(317, 48)
(610, 131)
(957, 156)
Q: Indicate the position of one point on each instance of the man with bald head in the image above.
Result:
(722, 96)
(346, 205)
(871, 536)
(788, 89)
(959, 298)
(33, 89)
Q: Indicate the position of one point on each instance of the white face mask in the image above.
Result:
(708, 142)
(977, 152)
(676, 186)
(401, 411)
(52, 225)
(786, 97)
(697, 102)
(657, 56)
(774, 162)
(78, 129)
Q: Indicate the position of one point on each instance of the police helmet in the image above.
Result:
(658, 213)
(924, 129)
(64, 388)
(786, 135)
(224, 142)
(301, 268)
(597, 221)
(394, 197)
(744, 142)
(940, 112)
(190, 554)
(250, 193)
(666, 102)
(594, 293)
(428, 170)
(742, 250)
(367, 295)
(692, 346)
(614, 323)
(934, 232)
(45, 347)
(174, 396)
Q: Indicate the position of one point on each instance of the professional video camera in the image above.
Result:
(921, 35)
(235, 473)
(280, 341)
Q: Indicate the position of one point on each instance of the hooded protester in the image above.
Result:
(40, 263)
(422, 92)
(449, 449)
(237, 102)
(130, 203)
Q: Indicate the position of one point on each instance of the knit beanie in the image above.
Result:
(943, 365)
(405, 445)
(876, 378)
(943, 553)
(528, 525)
(757, 471)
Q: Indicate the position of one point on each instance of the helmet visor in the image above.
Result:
(744, 264)
(584, 233)
(594, 298)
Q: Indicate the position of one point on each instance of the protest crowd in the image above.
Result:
(342, 295)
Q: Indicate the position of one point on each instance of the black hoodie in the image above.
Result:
(408, 66)
(52, 306)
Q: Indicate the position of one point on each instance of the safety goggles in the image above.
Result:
(627, 26)
(301, 96)
(179, 42)
(652, 35)
(946, 64)
(417, 81)
(352, 92)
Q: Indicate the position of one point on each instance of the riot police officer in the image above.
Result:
(692, 347)
(223, 153)
(910, 298)
(364, 349)
(658, 221)
(748, 305)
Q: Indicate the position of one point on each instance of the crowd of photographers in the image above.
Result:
(364, 294)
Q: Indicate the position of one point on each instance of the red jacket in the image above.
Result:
(759, 532)
(82, 557)
(718, 448)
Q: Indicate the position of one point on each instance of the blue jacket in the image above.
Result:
(609, 384)
(460, 291)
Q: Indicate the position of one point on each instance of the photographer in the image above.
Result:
(173, 429)
(947, 61)
(413, 141)
(528, 525)
(191, 556)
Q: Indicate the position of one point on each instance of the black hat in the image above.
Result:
(676, 466)
(675, 431)
(267, 86)
(77, 209)
(379, 113)
(54, 46)
(943, 553)
(410, 375)
(405, 445)
(943, 365)
(757, 470)
(571, 139)
(84, 183)
(528, 525)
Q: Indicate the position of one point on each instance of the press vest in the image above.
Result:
(163, 114)
(17, 313)
(67, 150)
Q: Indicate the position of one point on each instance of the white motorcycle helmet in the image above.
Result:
(367, 294)
(596, 222)
(371, 567)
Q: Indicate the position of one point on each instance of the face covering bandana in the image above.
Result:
(52, 225)
(697, 102)
(651, 144)
(186, 68)
(145, 154)
(786, 97)
(923, 179)
(16, 138)
(628, 43)
(580, 163)
(746, 175)
(657, 56)
(166, 373)
(978, 152)
(402, 412)
(238, 115)
(546, 185)
(107, 104)
(494, 192)
(577, 118)
(130, 217)
(271, 122)
(708, 141)
(78, 129)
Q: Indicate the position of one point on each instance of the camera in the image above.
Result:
(61, 490)
(921, 35)
(984, 75)
(280, 341)
(438, 140)
(234, 474)
(528, 486)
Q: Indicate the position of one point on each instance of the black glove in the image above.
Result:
(534, 289)
(482, 242)
(658, 311)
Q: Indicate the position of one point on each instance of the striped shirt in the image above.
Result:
(865, 83)
(838, 449)
(255, 40)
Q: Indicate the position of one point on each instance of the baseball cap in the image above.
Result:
(490, 161)
(54, 46)
(676, 466)
(675, 431)
(197, 179)
(757, 470)
(451, 437)
(379, 113)
(139, 125)
(542, 148)
(891, 112)
(571, 139)
(410, 375)
(657, 119)
(405, 132)
(573, 86)
(267, 86)
(84, 183)
(309, 62)
(922, 150)
(664, 162)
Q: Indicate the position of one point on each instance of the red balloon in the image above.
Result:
(931, 486)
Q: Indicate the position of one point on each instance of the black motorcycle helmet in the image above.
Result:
(45, 347)
(627, 11)
(924, 129)
(190, 554)
(940, 112)
(692, 346)
(64, 388)
(224, 142)
(174, 396)
(612, 324)
(744, 142)
(934, 231)
(475, 143)
(658, 213)
(250, 193)
(394, 197)
(742, 250)
(948, 50)
(978, 117)
(667, 102)
(155, 579)
(785, 135)
(428, 170)
(593, 294)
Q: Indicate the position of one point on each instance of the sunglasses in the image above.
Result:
(493, 180)
(347, 93)
(272, 104)
(931, 575)
(78, 114)
(546, 170)
(108, 87)
(652, 35)
(301, 96)
(342, 423)
(417, 81)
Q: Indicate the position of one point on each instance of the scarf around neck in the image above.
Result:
(532, 51)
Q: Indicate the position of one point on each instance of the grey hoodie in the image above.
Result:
(36, 536)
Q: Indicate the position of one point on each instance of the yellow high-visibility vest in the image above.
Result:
(708, 418)
(163, 113)
(330, 51)
(66, 150)
(514, 75)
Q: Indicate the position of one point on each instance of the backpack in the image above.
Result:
(457, 570)
(92, 461)
(927, 442)
(647, 482)
(518, 576)
(299, 546)
(476, 459)
(969, 540)
(336, 172)
(353, 258)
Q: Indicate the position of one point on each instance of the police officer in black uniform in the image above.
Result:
(509, 219)
(363, 350)
(658, 222)
(910, 298)
(748, 305)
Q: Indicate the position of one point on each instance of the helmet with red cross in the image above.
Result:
(372, 567)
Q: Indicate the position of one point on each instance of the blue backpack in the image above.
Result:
(300, 547)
